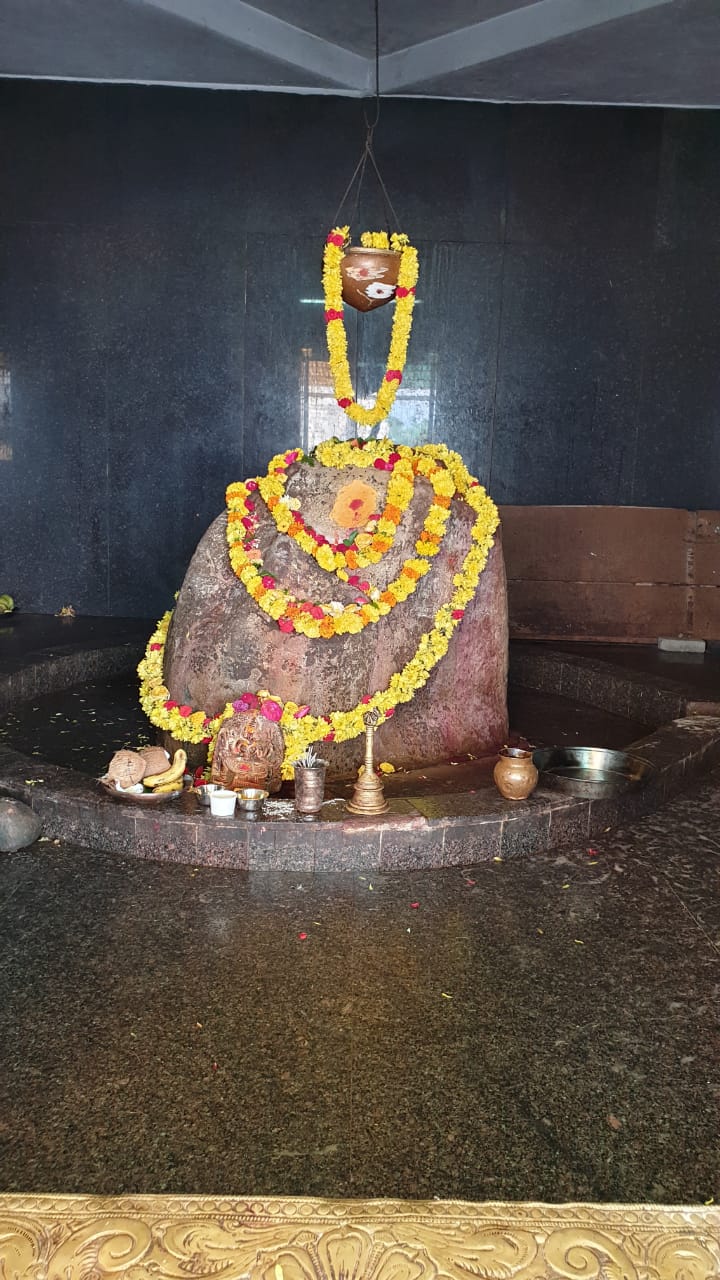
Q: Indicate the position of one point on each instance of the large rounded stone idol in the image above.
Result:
(221, 645)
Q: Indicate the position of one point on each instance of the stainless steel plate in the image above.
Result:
(591, 771)
(148, 798)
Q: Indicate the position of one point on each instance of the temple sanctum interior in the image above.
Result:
(359, 640)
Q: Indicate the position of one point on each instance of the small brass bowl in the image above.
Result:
(251, 798)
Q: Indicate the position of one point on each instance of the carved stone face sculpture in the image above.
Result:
(248, 753)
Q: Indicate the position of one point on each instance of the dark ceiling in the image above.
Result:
(657, 52)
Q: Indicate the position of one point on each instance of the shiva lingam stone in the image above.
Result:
(248, 753)
(515, 774)
(368, 797)
(369, 277)
(220, 643)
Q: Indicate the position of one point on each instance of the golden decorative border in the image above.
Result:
(191, 1237)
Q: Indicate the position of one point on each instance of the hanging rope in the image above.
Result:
(391, 218)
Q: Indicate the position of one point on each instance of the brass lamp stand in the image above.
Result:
(368, 797)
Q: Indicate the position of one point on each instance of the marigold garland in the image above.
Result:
(332, 618)
(299, 726)
(363, 548)
(334, 252)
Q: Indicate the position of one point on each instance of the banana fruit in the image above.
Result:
(169, 778)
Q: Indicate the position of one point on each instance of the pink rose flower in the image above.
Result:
(248, 702)
(268, 581)
(271, 709)
(251, 485)
(301, 712)
(286, 624)
(316, 612)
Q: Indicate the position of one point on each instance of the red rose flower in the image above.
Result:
(344, 402)
(170, 706)
(287, 625)
(333, 315)
(394, 457)
(156, 646)
(251, 484)
(316, 612)
(205, 741)
(391, 712)
(185, 711)
(367, 698)
(457, 614)
(393, 375)
(329, 737)
(335, 238)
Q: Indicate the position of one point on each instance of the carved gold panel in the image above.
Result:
(153, 1237)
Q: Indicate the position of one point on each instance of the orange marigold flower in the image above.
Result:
(382, 544)
(272, 501)
(387, 597)
(392, 513)
(440, 500)
(292, 611)
(294, 529)
(412, 574)
(351, 558)
(327, 628)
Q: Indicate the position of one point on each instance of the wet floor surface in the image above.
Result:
(82, 727)
(545, 1028)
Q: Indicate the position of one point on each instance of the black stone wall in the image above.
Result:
(160, 254)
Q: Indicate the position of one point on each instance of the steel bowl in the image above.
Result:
(591, 771)
(251, 798)
(204, 791)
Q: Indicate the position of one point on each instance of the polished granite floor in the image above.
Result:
(545, 1028)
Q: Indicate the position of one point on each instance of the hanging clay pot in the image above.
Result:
(369, 277)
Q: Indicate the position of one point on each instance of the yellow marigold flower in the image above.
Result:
(325, 557)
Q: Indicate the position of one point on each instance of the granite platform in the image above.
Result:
(466, 824)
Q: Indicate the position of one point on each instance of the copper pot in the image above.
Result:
(369, 277)
(515, 774)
